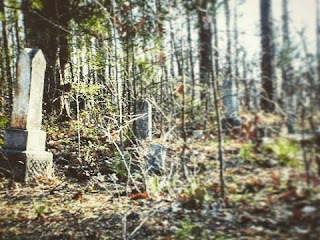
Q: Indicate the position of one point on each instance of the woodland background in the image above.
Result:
(256, 179)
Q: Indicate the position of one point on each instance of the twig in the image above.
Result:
(143, 222)
(220, 140)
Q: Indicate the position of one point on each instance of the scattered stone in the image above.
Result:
(197, 134)
(308, 210)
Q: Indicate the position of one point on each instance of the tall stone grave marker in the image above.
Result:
(230, 102)
(144, 121)
(24, 140)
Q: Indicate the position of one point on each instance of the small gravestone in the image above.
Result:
(143, 124)
(230, 102)
(156, 157)
(197, 134)
(24, 140)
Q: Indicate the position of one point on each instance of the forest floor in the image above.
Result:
(266, 193)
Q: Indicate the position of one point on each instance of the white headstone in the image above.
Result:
(24, 140)
(230, 99)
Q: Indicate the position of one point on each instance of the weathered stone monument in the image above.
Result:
(156, 157)
(230, 102)
(143, 123)
(24, 140)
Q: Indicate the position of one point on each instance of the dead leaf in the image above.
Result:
(40, 218)
(275, 179)
(180, 89)
(288, 194)
(245, 218)
(77, 196)
(137, 196)
(297, 214)
(117, 20)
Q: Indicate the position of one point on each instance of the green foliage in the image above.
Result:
(39, 208)
(89, 90)
(118, 166)
(14, 3)
(187, 229)
(197, 192)
(247, 197)
(154, 184)
(36, 4)
(219, 236)
(4, 121)
(246, 151)
(2, 17)
(285, 150)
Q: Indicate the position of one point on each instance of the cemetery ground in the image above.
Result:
(94, 195)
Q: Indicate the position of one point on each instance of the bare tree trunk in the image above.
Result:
(118, 81)
(205, 42)
(6, 53)
(216, 47)
(229, 74)
(286, 44)
(205, 37)
(287, 78)
(267, 62)
(175, 49)
(318, 45)
(236, 46)
(245, 68)
(183, 112)
(2, 79)
(193, 83)
(16, 28)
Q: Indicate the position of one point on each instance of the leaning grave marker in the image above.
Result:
(24, 140)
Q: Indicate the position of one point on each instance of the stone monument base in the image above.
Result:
(24, 140)
(26, 166)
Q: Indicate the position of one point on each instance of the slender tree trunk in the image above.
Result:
(286, 47)
(245, 68)
(175, 50)
(205, 45)
(2, 78)
(318, 46)
(267, 59)
(216, 47)
(118, 81)
(287, 78)
(236, 46)
(205, 37)
(8, 75)
(229, 74)
(183, 112)
(16, 26)
(193, 82)
(134, 80)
